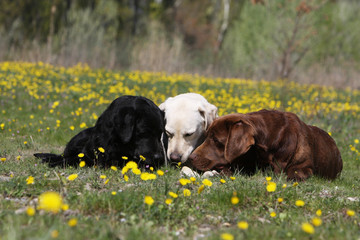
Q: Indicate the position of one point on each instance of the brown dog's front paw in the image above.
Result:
(299, 175)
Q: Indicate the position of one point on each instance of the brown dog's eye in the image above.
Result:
(218, 143)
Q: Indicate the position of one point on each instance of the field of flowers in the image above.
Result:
(43, 106)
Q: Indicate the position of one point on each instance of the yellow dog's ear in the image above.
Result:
(209, 113)
(240, 139)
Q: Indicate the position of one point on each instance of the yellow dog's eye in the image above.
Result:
(170, 135)
(188, 134)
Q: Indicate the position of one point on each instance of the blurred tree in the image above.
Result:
(296, 40)
(202, 23)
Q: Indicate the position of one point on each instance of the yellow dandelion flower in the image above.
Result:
(72, 177)
(18, 158)
(160, 173)
(102, 176)
(273, 214)
(192, 179)
(319, 213)
(232, 178)
(295, 184)
(186, 192)
(82, 164)
(316, 221)
(207, 182)
(113, 168)
(30, 180)
(102, 150)
(142, 158)
(124, 170)
(271, 187)
(55, 234)
(184, 181)
(3, 159)
(222, 181)
(299, 203)
(201, 188)
(235, 200)
(113, 193)
(55, 104)
(107, 181)
(350, 213)
(131, 165)
(72, 222)
(356, 141)
(72, 128)
(280, 200)
(126, 178)
(148, 200)
(243, 225)
(151, 169)
(284, 185)
(173, 195)
(168, 201)
(124, 158)
(268, 179)
(83, 125)
(308, 228)
(30, 211)
(136, 171)
(50, 201)
(226, 236)
(25, 142)
(65, 207)
(147, 176)
(80, 155)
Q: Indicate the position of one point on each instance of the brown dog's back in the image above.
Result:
(328, 162)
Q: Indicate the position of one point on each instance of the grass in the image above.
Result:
(43, 106)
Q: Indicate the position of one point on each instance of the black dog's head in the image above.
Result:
(132, 127)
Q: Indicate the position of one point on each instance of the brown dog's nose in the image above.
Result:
(192, 157)
(175, 157)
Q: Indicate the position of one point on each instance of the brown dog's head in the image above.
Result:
(227, 139)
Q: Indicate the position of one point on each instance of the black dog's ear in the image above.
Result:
(124, 125)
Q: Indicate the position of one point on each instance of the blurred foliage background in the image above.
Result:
(308, 41)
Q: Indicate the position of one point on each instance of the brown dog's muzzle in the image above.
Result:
(203, 164)
(195, 162)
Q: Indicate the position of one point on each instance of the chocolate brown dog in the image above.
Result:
(267, 138)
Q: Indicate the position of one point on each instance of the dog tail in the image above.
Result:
(52, 159)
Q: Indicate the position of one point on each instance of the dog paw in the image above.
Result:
(188, 172)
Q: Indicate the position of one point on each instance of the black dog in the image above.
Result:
(131, 128)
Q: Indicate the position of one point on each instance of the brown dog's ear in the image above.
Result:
(239, 141)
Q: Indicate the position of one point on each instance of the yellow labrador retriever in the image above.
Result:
(187, 117)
